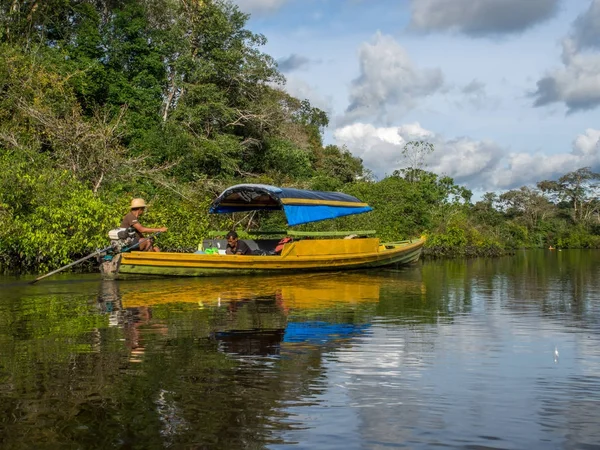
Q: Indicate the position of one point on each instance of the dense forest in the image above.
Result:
(172, 101)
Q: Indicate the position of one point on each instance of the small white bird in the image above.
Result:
(555, 354)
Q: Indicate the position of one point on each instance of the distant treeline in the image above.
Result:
(173, 100)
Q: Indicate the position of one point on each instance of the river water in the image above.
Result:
(487, 353)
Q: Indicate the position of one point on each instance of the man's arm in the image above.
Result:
(142, 229)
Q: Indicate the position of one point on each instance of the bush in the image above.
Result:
(57, 220)
(578, 238)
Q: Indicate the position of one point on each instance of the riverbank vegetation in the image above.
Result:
(173, 100)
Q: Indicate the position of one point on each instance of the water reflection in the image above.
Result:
(254, 316)
(452, 353)
(152, 359)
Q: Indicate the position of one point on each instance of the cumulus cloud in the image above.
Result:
(479, 165)
(576, 84)
(587, 146)
(292, 62)
(388, 80)
(479, 18)
(586, 28)
(259, 6)
(523, 168)
(467, 161)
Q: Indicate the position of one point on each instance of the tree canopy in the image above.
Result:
(173, 100)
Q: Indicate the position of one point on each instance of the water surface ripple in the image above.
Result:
(478, 354)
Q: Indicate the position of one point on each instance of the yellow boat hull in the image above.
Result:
(321, 255)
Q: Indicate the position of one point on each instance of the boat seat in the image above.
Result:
(264, 245)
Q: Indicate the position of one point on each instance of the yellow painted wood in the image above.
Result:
(306, 201)
(330, 233)
(309, 255)
(331, 247)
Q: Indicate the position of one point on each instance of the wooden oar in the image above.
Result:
(97, 252)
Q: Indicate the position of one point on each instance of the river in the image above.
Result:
(485, 353)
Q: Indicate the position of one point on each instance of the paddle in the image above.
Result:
(97, 252)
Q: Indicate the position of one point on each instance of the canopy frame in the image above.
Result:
(300, 206)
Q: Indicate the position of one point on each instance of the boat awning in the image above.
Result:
(300, 206)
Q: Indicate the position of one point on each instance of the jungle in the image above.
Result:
(174, 100)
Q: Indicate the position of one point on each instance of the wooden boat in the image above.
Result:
(301, 255)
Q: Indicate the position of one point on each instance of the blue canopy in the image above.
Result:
(300, 206)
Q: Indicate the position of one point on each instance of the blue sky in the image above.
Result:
(508, 91)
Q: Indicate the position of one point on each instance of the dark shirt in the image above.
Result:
(128, 221)
(241, 248)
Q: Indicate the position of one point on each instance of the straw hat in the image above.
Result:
(137, 203)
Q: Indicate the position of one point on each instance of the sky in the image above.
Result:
(507, 91)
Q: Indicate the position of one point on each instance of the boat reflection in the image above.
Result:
(248, 316)
(308, 291)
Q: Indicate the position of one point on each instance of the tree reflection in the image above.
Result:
(180, 364)
(217, 363)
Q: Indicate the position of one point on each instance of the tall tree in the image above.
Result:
(528, 205)
(414, 154)
(580, 190)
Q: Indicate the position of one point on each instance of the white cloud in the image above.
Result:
(577, 83)
(388, 81)
(480, 17)
(464, 159)
(587, 145)
(480, 165)
(521, 169)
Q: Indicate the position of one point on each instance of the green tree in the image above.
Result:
(527, 205)
(414, 154)
(580, 190)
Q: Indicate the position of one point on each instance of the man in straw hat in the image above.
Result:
(138, 207)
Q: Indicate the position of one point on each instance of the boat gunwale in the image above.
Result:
(157, 258)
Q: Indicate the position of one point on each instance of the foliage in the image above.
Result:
(579, 190)
(51, 217)
(578, 238)
(173, 101)
(187, 218)
(282, 158)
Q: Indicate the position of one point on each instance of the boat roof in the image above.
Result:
(300, 205)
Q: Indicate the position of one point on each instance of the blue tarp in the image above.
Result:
(300, 206)
(306, 214)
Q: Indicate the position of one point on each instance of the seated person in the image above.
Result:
(137, 209)
(235, 246)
